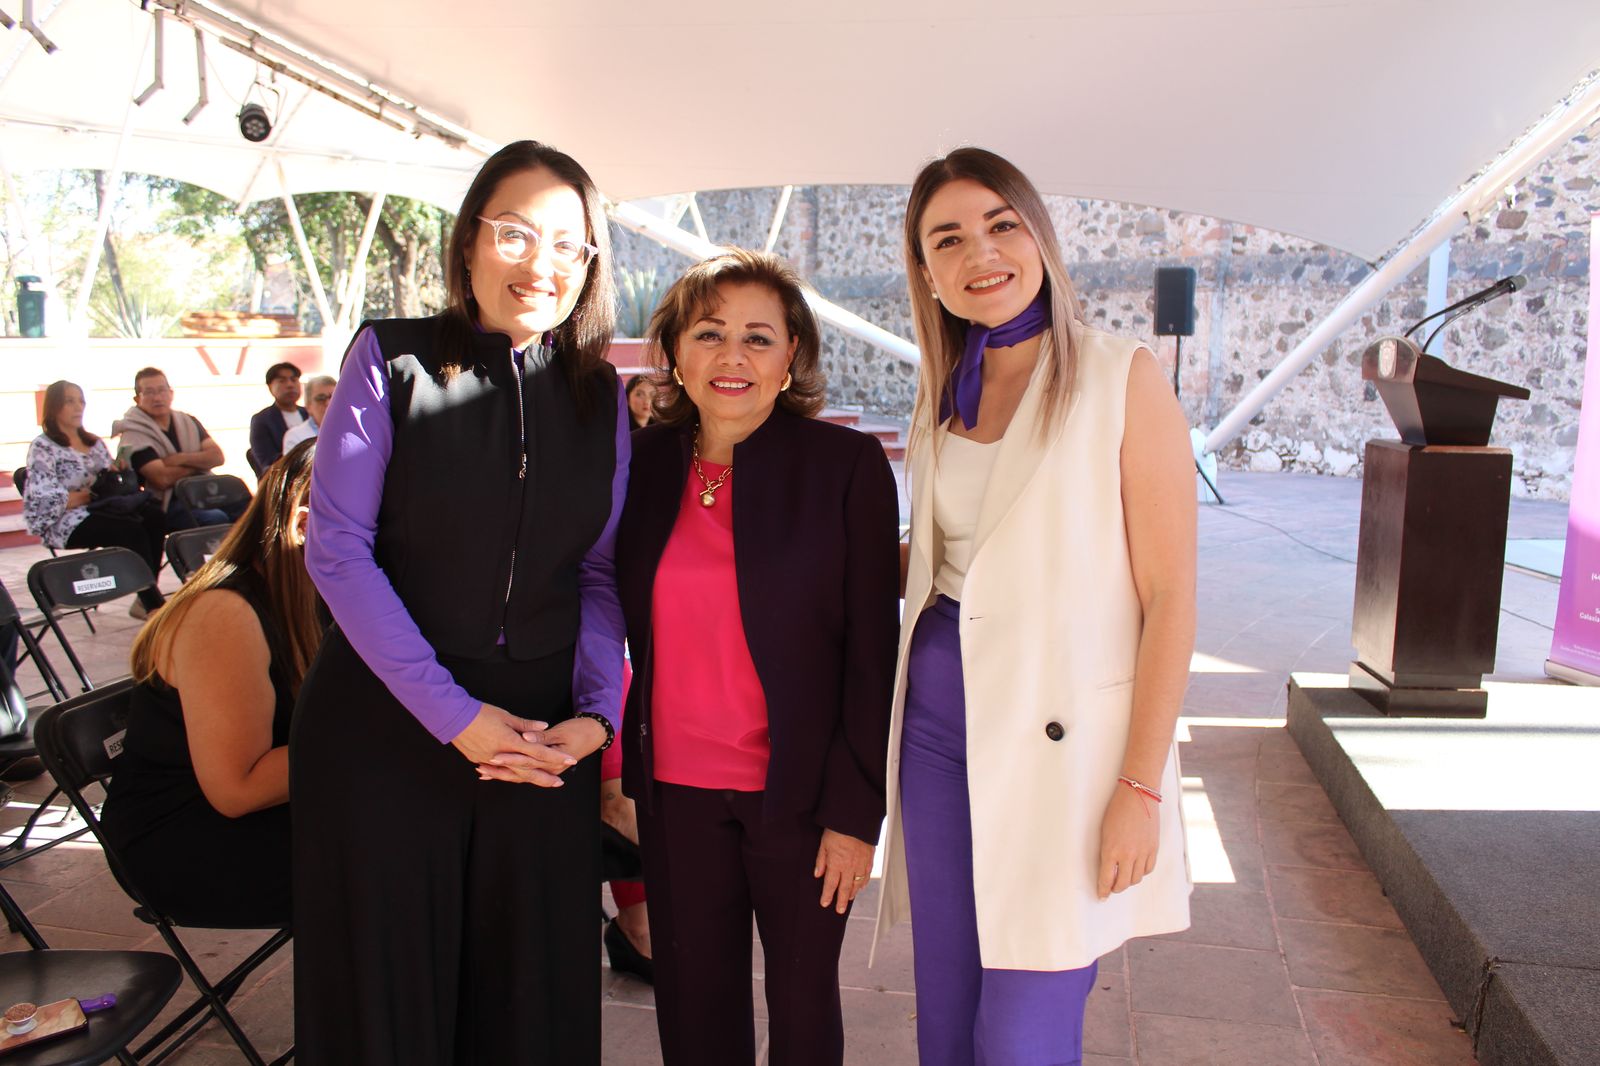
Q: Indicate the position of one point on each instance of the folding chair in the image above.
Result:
(19, 478)
(11, 616)
(142, 981)
(79, 741)
(211, 491)
(84, 579)
(16, 733)
(188, 549)
(255, 464)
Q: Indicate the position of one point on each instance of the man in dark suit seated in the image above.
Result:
(268, 425)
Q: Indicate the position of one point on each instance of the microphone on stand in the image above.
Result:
(1503, 287)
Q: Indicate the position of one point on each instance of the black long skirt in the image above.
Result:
(438, 918)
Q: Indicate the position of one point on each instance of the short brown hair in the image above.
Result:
(694, 295)
(148, 372)
(276, 369)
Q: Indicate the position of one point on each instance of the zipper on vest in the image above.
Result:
(522, 477)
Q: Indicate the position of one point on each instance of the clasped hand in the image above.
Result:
(505, 747)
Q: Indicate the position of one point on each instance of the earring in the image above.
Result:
(934, 294)
(677, 377)
(788, 379)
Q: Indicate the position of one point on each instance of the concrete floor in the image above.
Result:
(1294, 957)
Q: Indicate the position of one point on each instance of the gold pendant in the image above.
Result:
(707, 499)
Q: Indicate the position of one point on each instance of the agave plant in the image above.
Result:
(140, 318)
(638, 292)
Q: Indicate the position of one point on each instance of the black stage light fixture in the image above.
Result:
(254, 126)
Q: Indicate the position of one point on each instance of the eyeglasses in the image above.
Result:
(165, 390)
(516, 243)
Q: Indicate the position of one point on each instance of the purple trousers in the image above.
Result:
(966, 1015)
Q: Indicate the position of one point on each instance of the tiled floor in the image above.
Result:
(1294, 956)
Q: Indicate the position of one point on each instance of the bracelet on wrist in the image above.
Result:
(605, 723)
(1143, 791)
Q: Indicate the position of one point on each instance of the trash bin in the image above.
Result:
(30, 305)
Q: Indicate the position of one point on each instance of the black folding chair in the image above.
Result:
(188, 549)
(79, 741)
(84, 579)
(16, 731)
(142, 981)
(215, 492)
(10, 616)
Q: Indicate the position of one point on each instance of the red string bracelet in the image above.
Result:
(1143, 791)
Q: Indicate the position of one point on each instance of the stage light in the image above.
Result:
(254, 126)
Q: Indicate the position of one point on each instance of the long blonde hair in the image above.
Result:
(942, 335)
(263, 540)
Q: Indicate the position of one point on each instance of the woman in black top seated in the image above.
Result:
(198, 806)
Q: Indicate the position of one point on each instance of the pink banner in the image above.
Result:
(1575, 647)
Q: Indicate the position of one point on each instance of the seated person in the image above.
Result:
(63, 462)
(319, 392)
(165, 446)
(268, 425)
(198, 806)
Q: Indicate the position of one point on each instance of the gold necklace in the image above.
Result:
(708, 494)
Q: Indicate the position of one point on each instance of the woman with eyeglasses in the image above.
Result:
(468, 482)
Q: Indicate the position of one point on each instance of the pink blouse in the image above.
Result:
(709, 712)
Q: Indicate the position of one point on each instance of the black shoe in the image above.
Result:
(625, 958)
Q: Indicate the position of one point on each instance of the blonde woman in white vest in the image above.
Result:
(1034, 819)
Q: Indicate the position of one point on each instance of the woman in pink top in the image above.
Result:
(759, 577)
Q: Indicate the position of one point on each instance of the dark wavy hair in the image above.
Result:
(55, 398)
(580, 341)
(694, 295)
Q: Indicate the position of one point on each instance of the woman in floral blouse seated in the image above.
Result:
(63, 463)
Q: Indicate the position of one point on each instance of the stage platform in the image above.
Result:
(1485, 835)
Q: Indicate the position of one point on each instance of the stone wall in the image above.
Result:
(1258, 293)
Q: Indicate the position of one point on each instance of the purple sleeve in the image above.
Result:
(597, 671)
(353, 451)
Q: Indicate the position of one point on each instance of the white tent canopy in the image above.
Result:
(67, 109)
(1377, 127)
(1347, 123)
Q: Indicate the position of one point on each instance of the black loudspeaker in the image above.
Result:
(1175, 301)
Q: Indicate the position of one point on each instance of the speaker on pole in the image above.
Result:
(1175, 319)
(1175, 301)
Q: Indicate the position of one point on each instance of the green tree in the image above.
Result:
(406, 252)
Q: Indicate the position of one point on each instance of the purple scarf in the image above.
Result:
(967, 380)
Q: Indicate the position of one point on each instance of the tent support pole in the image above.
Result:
(1472, 202)
(354, 296)
(317, 292)
(643, 222)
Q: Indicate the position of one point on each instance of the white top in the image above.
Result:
(960, 475)
(304, 431)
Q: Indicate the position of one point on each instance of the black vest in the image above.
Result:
(486, 515)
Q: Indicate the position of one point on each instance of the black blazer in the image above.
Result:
(266, 434)
(815, 527)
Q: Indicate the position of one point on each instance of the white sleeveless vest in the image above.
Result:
(1050, 626)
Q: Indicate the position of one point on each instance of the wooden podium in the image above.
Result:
(1431, 559)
